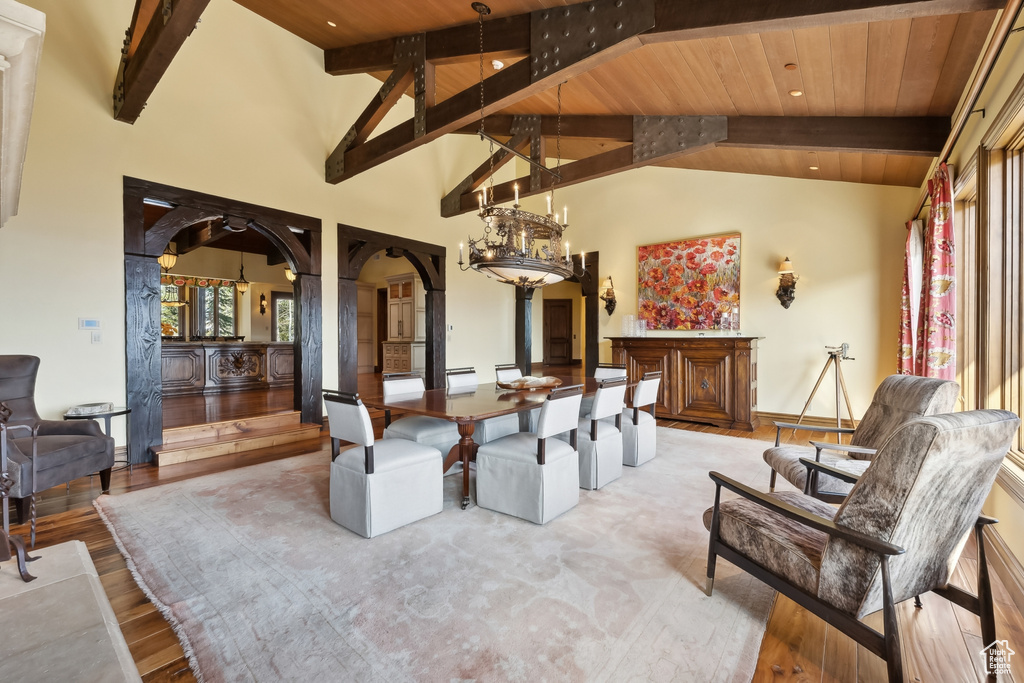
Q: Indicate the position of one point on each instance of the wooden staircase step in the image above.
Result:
(213, 430)
(228, 444)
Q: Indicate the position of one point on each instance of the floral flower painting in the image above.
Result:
(691, 284)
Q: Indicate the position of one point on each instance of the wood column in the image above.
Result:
(524, 329)
(309, 380)
(142, 344)
(436, 334)
(347, 341)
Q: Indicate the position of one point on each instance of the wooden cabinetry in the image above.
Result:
(218, 367)
(704, 379)
(405, 349)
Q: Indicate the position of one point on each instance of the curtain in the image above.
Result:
(927, 324)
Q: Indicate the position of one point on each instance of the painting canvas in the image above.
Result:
(691, 284)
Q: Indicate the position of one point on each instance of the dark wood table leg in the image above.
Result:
(467, 447)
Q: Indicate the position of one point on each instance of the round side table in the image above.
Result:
(106, 415)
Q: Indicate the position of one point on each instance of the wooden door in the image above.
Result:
(394, 318)
(558, 331)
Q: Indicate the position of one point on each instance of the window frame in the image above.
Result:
(275, 297)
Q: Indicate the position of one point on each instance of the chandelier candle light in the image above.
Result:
(519, 247)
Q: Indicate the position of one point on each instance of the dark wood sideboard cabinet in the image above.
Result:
(218, 367)
(704, 379)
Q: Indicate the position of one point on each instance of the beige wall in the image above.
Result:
(246, 112)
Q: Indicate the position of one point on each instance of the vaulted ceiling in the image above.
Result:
(851, 90)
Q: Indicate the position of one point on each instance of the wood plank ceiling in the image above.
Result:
(894, 63)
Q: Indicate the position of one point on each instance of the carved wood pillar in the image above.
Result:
(308, 348)
(435, 339)
(524, 329)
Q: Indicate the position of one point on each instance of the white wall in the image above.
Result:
(246, 112)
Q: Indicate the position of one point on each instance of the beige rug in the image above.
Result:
(262, 585)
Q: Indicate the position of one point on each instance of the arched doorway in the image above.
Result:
(297, 237)
(355, 247)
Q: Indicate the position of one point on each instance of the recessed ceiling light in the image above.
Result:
(791, 67)
(497, 64)
(796, 93)
(813, 168)
(332, 24)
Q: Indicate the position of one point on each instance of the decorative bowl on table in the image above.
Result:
(531, 383)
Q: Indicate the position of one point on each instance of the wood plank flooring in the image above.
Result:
(940, 642)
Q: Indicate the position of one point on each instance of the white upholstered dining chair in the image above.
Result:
(431, 431)
(378, 486)
(602, 371)
(600, 439)
(529, 474)
(639, 428)
(507, 373)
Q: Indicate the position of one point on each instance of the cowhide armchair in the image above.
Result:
(898, 398)
(898, 534)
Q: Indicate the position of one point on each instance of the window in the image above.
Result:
(282, 324)
(213, 311)
(171, 317)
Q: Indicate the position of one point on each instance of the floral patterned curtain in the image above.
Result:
(928, 339)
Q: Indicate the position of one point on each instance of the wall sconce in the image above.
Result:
(263, 304)
(607, 295)
(787, 283)
(289, 274)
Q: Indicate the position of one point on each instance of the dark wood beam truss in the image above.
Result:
(564, 43)
(144, 59)
(560, 43)
(653, 139)
(656, 139)
(202, 235)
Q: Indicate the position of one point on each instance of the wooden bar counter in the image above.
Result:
(211, 367)
(711, 379)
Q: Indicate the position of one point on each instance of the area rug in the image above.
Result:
(261, 585)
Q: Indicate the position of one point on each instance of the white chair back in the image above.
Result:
(462, 379)
(609, 399)
(646, 391)
(402, 383)
(349, 419)
(560, 412)
(607, 371)
(507, 373)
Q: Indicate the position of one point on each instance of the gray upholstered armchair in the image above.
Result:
(36, 454)
(899, 398)
(898, 534)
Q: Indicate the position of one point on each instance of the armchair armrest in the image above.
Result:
(847, 448)
(812, 428)
(806, 518)
(842, 475)
(69, 428)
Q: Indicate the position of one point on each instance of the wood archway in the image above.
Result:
(355, 247)
(297, 237)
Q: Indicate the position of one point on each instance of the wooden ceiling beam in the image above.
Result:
(565, 48)
(656, 139)
(141, 68)
(903, 135)
(197, 236)
(694, 19)
(675, 20)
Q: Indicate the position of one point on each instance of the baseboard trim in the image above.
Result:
(809, 420)
(1006, 566)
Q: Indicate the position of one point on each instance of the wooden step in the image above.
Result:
(212, 430)
(228, 444)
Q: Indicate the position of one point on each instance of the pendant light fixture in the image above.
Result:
(241, 284)
(168, 258)
(518, 247)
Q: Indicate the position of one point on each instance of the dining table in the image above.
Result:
(466, 407)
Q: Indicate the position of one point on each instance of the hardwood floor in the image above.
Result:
(184, 411)
(940, 642)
